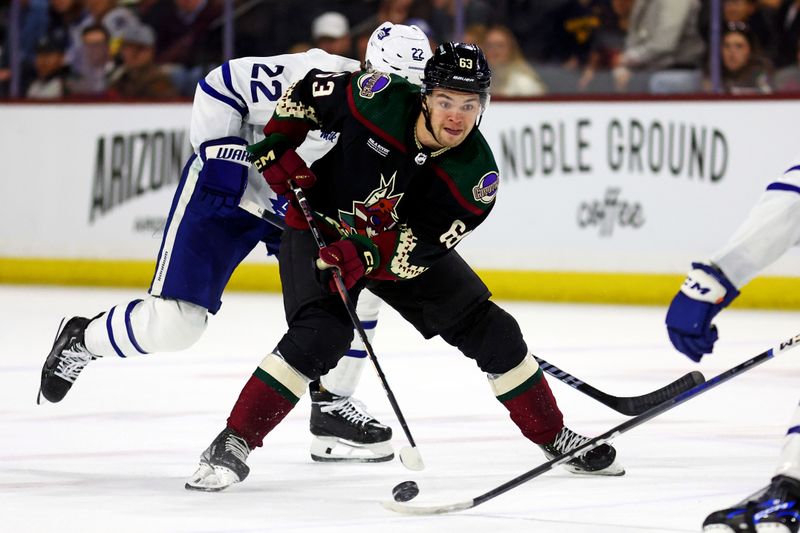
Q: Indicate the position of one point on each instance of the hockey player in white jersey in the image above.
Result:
(770, 229)
(213, 224)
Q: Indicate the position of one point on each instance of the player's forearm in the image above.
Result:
(771, 228)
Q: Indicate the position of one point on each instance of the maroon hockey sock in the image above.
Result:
(262, 404)
(534, 410)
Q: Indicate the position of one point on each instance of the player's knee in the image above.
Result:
(490, 336)
(315, 341)
(175, 325)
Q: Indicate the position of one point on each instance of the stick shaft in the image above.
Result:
(305, 207)
(608, 435)
(627, 405)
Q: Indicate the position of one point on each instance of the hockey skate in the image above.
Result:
(66, 360)
(599, 461)
(773, 509)
(222, 464)
(344, 431)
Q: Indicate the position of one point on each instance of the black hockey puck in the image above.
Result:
(405, 491)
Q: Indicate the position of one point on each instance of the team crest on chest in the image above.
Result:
(374, 215)
(486, 189)
(371, 84)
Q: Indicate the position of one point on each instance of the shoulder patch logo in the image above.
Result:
(486, 189)
(371, 84)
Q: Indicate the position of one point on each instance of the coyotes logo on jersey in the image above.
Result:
(374, 215)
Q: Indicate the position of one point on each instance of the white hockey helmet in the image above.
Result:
(398, 49)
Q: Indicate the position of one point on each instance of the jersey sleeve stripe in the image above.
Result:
(370, 126)
(455, 192)
(226, 76)
(213, 93)
(779, 186)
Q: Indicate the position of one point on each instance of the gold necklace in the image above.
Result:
(419, 145)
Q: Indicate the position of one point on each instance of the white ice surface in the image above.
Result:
(113, 456)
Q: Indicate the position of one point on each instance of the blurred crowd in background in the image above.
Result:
(159, 49)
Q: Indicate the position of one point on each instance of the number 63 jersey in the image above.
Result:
(239, 97)
(407, 205)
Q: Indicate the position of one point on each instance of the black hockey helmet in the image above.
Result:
(460, 67)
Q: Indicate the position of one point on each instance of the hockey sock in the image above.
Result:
(530, 403)
(343, 379)
(789, 464)
(267, 397)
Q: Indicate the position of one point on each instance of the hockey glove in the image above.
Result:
(350, 258)
(704, 293)
(279, 163)
(223, 178)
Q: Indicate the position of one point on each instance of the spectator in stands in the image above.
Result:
(744, 69)
(139, 77)
(788, 25)
(787, 79)
(663, 47)
(757, 14)
(51, 70)
(331, 32)
(511, 73)
(574, 26)
(94, 64)
(188, 38)
(113, 17)
(606, 48)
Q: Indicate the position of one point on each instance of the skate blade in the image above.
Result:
(335, 450)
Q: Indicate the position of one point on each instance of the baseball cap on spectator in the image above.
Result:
(139, 34)
(52, 42)
(331, 24)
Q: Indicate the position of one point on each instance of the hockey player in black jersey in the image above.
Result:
(409, 178)
(216, 220)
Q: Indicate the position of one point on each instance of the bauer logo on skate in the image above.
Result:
(486, 189)
(609, 212)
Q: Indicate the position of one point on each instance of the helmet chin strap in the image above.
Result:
(426, 113)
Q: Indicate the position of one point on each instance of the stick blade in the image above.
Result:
(411, 458)
(427, 510)
(636, 405)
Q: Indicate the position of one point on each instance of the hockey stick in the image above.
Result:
(255, 209)
(627, 405)
(409, 455)
(597, 441)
